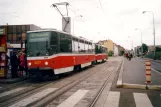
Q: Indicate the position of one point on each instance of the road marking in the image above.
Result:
(11, 92)
(142, 100)
(156, 71)
(33, 98)
(73, 99)
(112, 99)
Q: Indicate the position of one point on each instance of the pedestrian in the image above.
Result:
(26, 70)
(22, 63)
(14, 64)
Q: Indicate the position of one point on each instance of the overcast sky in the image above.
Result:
(108, 19)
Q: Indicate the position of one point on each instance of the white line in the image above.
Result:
(112, 99)
(156, 71)
(11, 92)
(33, 98)
(73, 99)
(142, 100)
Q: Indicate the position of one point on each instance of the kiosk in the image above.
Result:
(3, 51)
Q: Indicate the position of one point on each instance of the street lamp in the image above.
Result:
(141, 40)
(153, 31)
(73, 22)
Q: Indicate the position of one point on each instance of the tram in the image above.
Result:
(53, 52)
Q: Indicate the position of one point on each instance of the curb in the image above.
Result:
(119, 81)
(140, 86)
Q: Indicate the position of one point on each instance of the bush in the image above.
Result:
(110, 53)
(151, 55)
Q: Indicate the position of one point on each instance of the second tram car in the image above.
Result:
(100, 53)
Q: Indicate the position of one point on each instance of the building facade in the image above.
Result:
(116, 50)
(16, 34)
(120, 49)
(109, 44)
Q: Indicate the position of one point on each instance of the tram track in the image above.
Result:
(110, 78)
(44, 101)
(10, 100)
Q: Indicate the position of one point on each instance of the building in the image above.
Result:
(120, 49)
(16, 34)
(109, 44)
(116, 50)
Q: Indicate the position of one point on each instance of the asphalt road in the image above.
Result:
(156, 65)
(134, 72)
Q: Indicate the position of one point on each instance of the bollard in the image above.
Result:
(148, 71)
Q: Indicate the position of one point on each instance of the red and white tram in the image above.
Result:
(100, 53)
(54, 52)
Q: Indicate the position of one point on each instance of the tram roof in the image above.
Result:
(59, 31)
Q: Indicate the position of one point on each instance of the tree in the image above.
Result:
(122, 52)
(110, 53)
(145, 48)
(158, 49)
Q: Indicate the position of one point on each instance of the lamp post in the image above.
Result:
(153, 31)
(73, 22)
(141, 40)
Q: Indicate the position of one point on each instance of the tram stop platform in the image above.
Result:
(11, 80)
(133, 75)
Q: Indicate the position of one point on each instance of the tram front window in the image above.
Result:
(38, 44)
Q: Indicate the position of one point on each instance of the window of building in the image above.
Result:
(23, 28)
(14, 29)
(19, 37)
(9, 37)
(18, 29)
(23, 36)
(10, 29)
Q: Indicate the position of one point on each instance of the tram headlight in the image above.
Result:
(29, 63)
(46, 63)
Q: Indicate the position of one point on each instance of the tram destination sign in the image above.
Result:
(2, 31)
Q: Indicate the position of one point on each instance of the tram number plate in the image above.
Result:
(37, 62)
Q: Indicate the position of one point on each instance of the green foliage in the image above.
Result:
(145, 48)
(151, 55)
(158, 49)
(122, 52)
(110, 53)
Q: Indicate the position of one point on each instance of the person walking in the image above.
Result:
(14, 64)
(22, 63)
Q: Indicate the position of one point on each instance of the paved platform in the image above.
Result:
(11, 80)
(134, 72)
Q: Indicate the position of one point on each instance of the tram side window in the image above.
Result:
(81, 46)
(53, 43)
(91, 48)
(86, 46)
(65, 43)
(75, 45)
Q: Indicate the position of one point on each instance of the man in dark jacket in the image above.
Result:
(14, 64)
